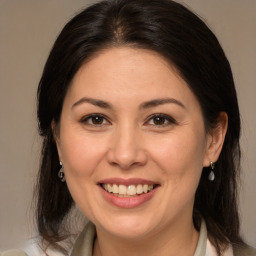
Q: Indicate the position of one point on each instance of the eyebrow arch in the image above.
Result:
(157, 102)
(95, 102)
(148, 104)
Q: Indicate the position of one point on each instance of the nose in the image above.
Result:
(126, 149)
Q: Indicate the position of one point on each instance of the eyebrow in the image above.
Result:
(157, 102)
(144, 105)
(95, 102)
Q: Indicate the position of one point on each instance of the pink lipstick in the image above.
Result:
(127, 193)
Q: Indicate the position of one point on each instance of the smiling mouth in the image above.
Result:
(128, 191)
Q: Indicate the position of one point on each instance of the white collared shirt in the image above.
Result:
(211, 251)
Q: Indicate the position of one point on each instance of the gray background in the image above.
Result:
(28, 29)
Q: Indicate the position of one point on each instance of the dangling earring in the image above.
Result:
(61, 173)
(211, 175)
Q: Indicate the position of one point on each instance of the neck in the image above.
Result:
(177, 240)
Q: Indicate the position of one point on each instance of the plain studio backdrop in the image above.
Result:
(28, 29)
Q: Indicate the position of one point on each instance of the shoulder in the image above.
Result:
(243, 250)
(13, 253)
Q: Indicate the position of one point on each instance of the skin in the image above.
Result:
(127, 142)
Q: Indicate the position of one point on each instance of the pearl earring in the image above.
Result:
(211, 175)
(61, 174)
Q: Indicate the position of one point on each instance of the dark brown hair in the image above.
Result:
(177, 34)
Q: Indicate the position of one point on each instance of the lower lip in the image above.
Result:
(128, 202)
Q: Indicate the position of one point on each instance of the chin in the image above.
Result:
(128, 227)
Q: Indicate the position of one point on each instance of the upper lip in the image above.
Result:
(130, 181)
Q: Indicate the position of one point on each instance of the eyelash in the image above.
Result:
(86, 119)
(168, 120)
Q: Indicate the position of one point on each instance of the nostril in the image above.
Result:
(126, 159)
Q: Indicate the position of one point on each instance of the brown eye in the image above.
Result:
(95, 119)
(159, 120)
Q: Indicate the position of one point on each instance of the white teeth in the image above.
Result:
(145, 188)
(131, 190)
(109, 188)
(115, 189)
(139, 189)
(124, 191)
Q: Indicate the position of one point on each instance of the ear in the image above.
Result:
(215, 140)
(56, 136)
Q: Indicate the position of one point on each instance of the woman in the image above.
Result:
(138, 112)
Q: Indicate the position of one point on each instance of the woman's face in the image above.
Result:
(133, 143)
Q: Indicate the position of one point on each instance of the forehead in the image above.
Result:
(129, 72)
(126, 63)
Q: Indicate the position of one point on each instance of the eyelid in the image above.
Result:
(170, 119)
(85, 119)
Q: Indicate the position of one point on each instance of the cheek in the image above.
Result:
(180, 159)
(180, 155)
(81, 154)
